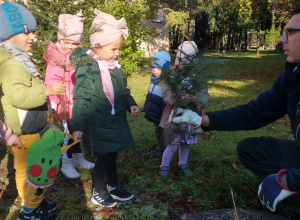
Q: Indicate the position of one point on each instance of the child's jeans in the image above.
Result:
(30, 196)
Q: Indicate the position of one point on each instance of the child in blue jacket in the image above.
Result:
(154, 105)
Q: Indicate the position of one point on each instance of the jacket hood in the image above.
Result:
(79, 57)
(4, 55)
(53, 50)
(55, 55)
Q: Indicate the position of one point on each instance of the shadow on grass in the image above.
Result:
(10, 195)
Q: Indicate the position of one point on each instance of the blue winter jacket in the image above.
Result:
(283, 98)
(154, 105)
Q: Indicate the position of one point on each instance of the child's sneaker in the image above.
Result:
(119, 193)
(159, 154)
(103, 198)
(155, 150)
(38, 213)
(49, 206)
(184, 168)
(164, 171)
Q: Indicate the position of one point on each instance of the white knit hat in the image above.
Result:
(187, 48)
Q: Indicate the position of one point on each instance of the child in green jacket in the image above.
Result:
(101, 102)
(23, 100)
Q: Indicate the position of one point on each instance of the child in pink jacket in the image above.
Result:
(59, 69)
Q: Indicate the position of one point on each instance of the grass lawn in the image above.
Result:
(216, 171)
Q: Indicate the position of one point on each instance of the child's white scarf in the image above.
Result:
(22, 56)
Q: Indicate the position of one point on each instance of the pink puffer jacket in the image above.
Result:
(58, 66)
(6, 135)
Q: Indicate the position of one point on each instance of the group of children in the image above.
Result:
(87, 93)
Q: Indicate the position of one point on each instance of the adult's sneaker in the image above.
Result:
(119, 193)
(38, 213)
(103, 198)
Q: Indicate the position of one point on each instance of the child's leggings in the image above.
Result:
(171, 149)
(106, 166)
(31, 197)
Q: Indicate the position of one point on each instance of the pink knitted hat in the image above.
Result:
(107, 29)
(70, 27)
(187, 48)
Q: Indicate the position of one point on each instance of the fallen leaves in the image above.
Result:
(2, 188)
(198, 181)
(208, 136)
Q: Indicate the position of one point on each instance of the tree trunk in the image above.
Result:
(257, 50)
(217, 43)
(228, 46)
(264, 43)
(193, 4)
(246, 38)
(223, 44)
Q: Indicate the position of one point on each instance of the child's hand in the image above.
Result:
(134, 110)
(77, 135)
(190, 98)
(56, 89)
(18, 143)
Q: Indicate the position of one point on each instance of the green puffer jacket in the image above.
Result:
(23, 97)
(103, 133)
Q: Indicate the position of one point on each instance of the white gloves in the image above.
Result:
(187, 116)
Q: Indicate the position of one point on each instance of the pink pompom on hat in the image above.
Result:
(107, 29)
(70, 27)
(187, 48)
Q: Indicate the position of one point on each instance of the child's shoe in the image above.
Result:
(155, 150)
(184, 168)
(2, 187)
(68, 169)
(48, 206)
(38, 213)
(164, 171)
(80, 162)
(119, 193)
(159, 154)
(103, 198)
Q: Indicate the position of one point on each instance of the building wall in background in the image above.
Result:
(162, 41)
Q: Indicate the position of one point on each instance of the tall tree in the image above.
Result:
(244, 20)
(192, 5)
(182, 14)
(282, 9)
(261, 17)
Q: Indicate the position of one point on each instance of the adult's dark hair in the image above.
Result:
(295, 11)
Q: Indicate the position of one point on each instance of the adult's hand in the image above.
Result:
(187, 116)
